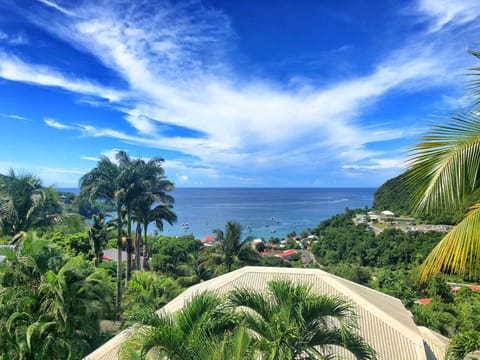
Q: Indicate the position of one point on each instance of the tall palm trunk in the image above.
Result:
(119, 262)
(138, 240)
(128, 269)
(145, 247)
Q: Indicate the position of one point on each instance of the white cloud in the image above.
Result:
(57, 176)
(57, 125)
(56, 7)
(248, 123)
(14, 69)
(448, 12)
(379, 164)
(182, 178)
(90, 158)
(13, 39)
(13, 116)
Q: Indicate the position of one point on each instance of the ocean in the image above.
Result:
(263, 212)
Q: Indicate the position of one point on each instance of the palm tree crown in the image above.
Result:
(182, 335)
(293, 323)
(25, 203)
(444, 171)
(231, 243)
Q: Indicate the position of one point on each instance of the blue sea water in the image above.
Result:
(263, 212)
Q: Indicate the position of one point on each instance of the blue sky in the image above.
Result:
(230, 93)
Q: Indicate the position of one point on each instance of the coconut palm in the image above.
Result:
(444, 171)
(232, 247)
(50, 307)
(234, 345)
(97, 236)
(291, 322)
(152, 202)
(464, 346)
(26, 204)
(104, 183)
(181, 335)
(157, 215)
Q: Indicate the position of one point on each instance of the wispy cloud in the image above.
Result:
(13, 116)
(12, 68)
(56, 7)
(90, 158)
(13, 39)
(444, 13)
(248, 122)
(57, 125)
(67, 177)
(379, 164)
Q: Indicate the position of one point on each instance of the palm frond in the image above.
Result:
(459, 251)
(444, 166)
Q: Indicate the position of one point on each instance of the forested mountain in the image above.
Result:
(395, 196)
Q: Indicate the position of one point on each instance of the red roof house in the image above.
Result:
(423, 301)
(208, 238)
(286, 254)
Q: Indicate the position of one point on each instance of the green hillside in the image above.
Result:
(393, 195)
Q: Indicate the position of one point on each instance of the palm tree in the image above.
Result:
(181, 335)
(158, 215)
(293, 323)
(152, 203)
(26, 204)
(104, 183)
(131, 184)
(235, 345)
(464, 346)
(444, 172)
(148, 289)
(50, 307)
(97, 236)
(232, 247)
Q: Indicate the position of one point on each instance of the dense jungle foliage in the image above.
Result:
(55, 274)
(394, 195)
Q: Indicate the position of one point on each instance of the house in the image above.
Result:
(286, 254)
(423, 301)
(112, 255)
(256, 242)
(383, 321)
(208, 241)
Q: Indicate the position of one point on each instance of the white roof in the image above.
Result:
(383, 320)
(387, 213)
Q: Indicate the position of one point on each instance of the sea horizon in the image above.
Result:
(262, 212)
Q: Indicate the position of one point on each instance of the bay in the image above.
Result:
(263, 212)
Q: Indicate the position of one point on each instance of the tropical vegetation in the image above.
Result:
(56, 273)
(289, 322)
(26, 204)
(136, 189)
(444, 173)
(51, 305)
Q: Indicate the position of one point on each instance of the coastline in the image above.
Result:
(263, 212)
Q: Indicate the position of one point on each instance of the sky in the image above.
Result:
(279, 93)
